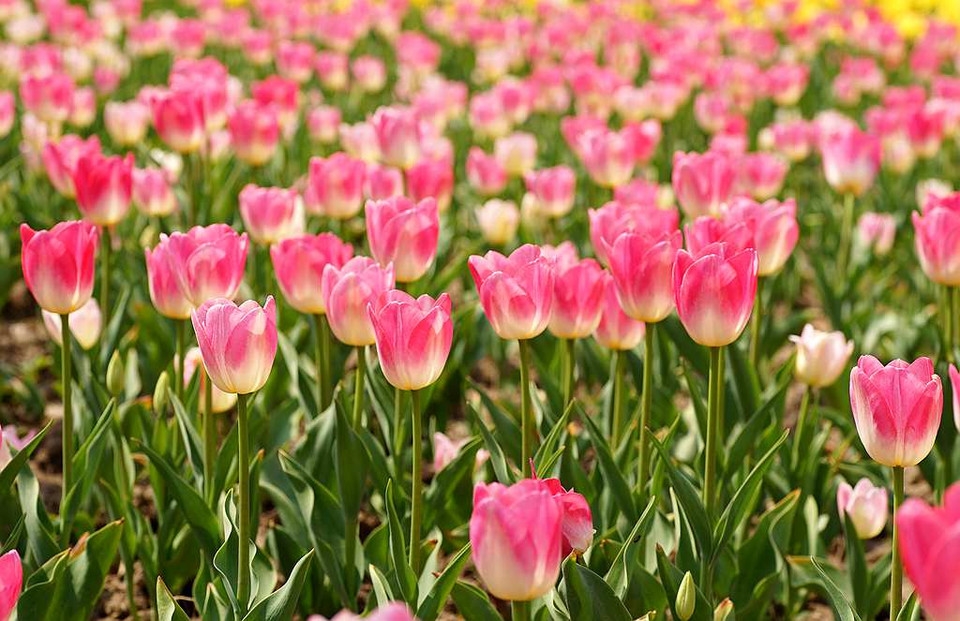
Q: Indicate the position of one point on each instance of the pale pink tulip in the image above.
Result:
(220, 401)
(821, 356)
(642, 268)
(703, 182)
(85, 325)
(270, 214)
(577, 299)
(616, 329)
(347, 291)
(516, 292)
(237, 343)
(58, 264)
(207, 261)
(298, 263)
(335, 186)
(866, 504)
(413, 337)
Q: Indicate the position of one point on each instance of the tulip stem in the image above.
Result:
(416, 496)
(755, 327)
(243, 565)
(714, 400)
(358, 387)
(896, 566)
(616, 420)
(322, 351)
(646, 407)
(180, 335)
(846, 235)
(399, 433)
(801, 428)
(209, 439)
(954, 319)
(66, 432)
(526, 409)
(520, 611)
(105, 277)
(569, 368)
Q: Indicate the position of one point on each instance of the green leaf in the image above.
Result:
(473, 603)
(497, 459)
(167, 607)
(406, 578)
(436, 599)
(41, 541)
(191, 438)
(282, 603)
(9, 473)
(352, 464)
(612, 474)
(627, 557)
(688, 498)
(671, 576)
(381, 586)
(86, 462)
(841, 605)
(910, 610)
(856, 566)
(547, 450)
(588, 597)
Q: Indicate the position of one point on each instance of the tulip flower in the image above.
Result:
(928, 545)
(391, 611)
(335, 186)
(821, 356)
(703, 182)
(60, 161)
(126, 123)
(553, 189)
(179, 120)
(323, 124)
(517, 153)
(299, 263)
(431, 178)
(706, 230)
(498, 221)
(938, 243)
(866, 505)
(11, 582)
(760, 175)
(48, 97)
(238, 345)
(577, 523)
(220, 401)
(577, 300)
(616, 217)
(405, 234)
(151, 192)
(485, 173)
(616, 330)
(397, 132)
(85, 325)
(270, 214)
(608, 156)
(208, 262)
(8, 113)
(516, 534)
(347, 291)
(382, 182)
(254, 132)
(876, 232)
(104, 186)
(850, 160)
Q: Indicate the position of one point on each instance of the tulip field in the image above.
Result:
(532, 310)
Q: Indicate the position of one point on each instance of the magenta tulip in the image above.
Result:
(58, 264)
(179, 119)
(938, 242)
(254, 132)
(398, 134)
(431, 178)
(347, 291)
(298, 263)
(404, 233)
(616, 217)
(577, 299)
(642, 268)
(60, 161)
(516, 291)
(485, 173)
(706, 230)
(413, 337)
(577, 522)
(104, 186)
(208, 261)
(11, 582)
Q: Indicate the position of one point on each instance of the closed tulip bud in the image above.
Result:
(220, 401)
(929, 538)
(866, 504)
(58, 264)
(642, 268)
(516, 534)
(347, 291)
(207, 261)
(498, 221)
(723, 610)
(270, 214)
(335, 186)
(405, 234)
(85, 325)
(254, 132)
(152, 193)
(714, 292)
(516, 292)
(517, 153)
(938, 242)
(237, 343)
(11, 582)
(298, 263)
(821, 356)
(382, 182)
(686, 602)
(896, 408)
(703, 182)
(773, 227)
(553, 188)
(616, 217)
(431, 178)
(616, 329)
(577, 523)
(397, 131)
(126, 123)
(577, 300)
(104, 187)
(161, 394)
(876, 232)
(413, 337)
(60, 161)
(323, 124)
(179, 120)
(850, 160)
(485, 173)
(115, 375)
(391, 611)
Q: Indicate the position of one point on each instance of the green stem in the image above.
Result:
(107, 247)
(755, 327)
(569, 367)
(715, 396)
(801, 428)
(319, 351)
(243, 565)
(180, 335)
(519, 611)
(399, 433)
(526, 409)
(646, 406)
(416, 496)
(358, 387)
(896, 566)
(209, 440)
(846, 237)
(325, 385)
(954, 293)
(616, 421)
(66, 374)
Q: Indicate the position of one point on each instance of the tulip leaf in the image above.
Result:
(856, 566)
(381, 586)
(87, 461)
(167, 607)
(612, 474)
(41, 541)
(282, 603)
(670, 577)
(406, 578)
(837, 598)
(473, 603)
(9, 473)
(588, 597)
(688, 498)
(911, 609)
(497, 460)
(352, 462)
(190, 436)
(547, 451)
(429, 609)
(627, 557)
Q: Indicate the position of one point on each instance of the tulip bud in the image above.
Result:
(723, 610)
(686, 601)
(161, 394)
(821, 356)
(866, 505)
(115, 375)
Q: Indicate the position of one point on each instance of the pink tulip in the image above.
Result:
(553, 189)
(929, 540)
(792, 139)
(516, 291)
(220, 401)
(398, 134)
(577, 299)
(370, 73)
(179, 120)
(498, 221)
(207, 261)
(83, 108)
(49, 97)
(60, 161)
(295, 59)
(335, 186)
(270, 214)
(164, 283)
(516, 533)
(638, 191)
(866, 505)
(702, 182)
(773, 226)
(299, 262)
(616, 217)
(706, 230)
(152, 193)
(876, 232)
(608, 156)
(405, 234)
(58, 264)
(391, 611)
(760, 175)
(360, 141)
(938, 242)
(431, 178)
(347, 291)
(955, 389)
(616, 329)
(821, 356)
(445, 450)
(577, 523)
(283, 95)
(413, 337)
(517, 153)
(104, 187)
(714, 291)
(8, 112)
(896, 408)
(642, 268)
(11, 581)
(126, 123)
(484, 172)
(237, 343)
(383, 182)
(85, 325)
(850, 160)
(323, 124)
(254, 132)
